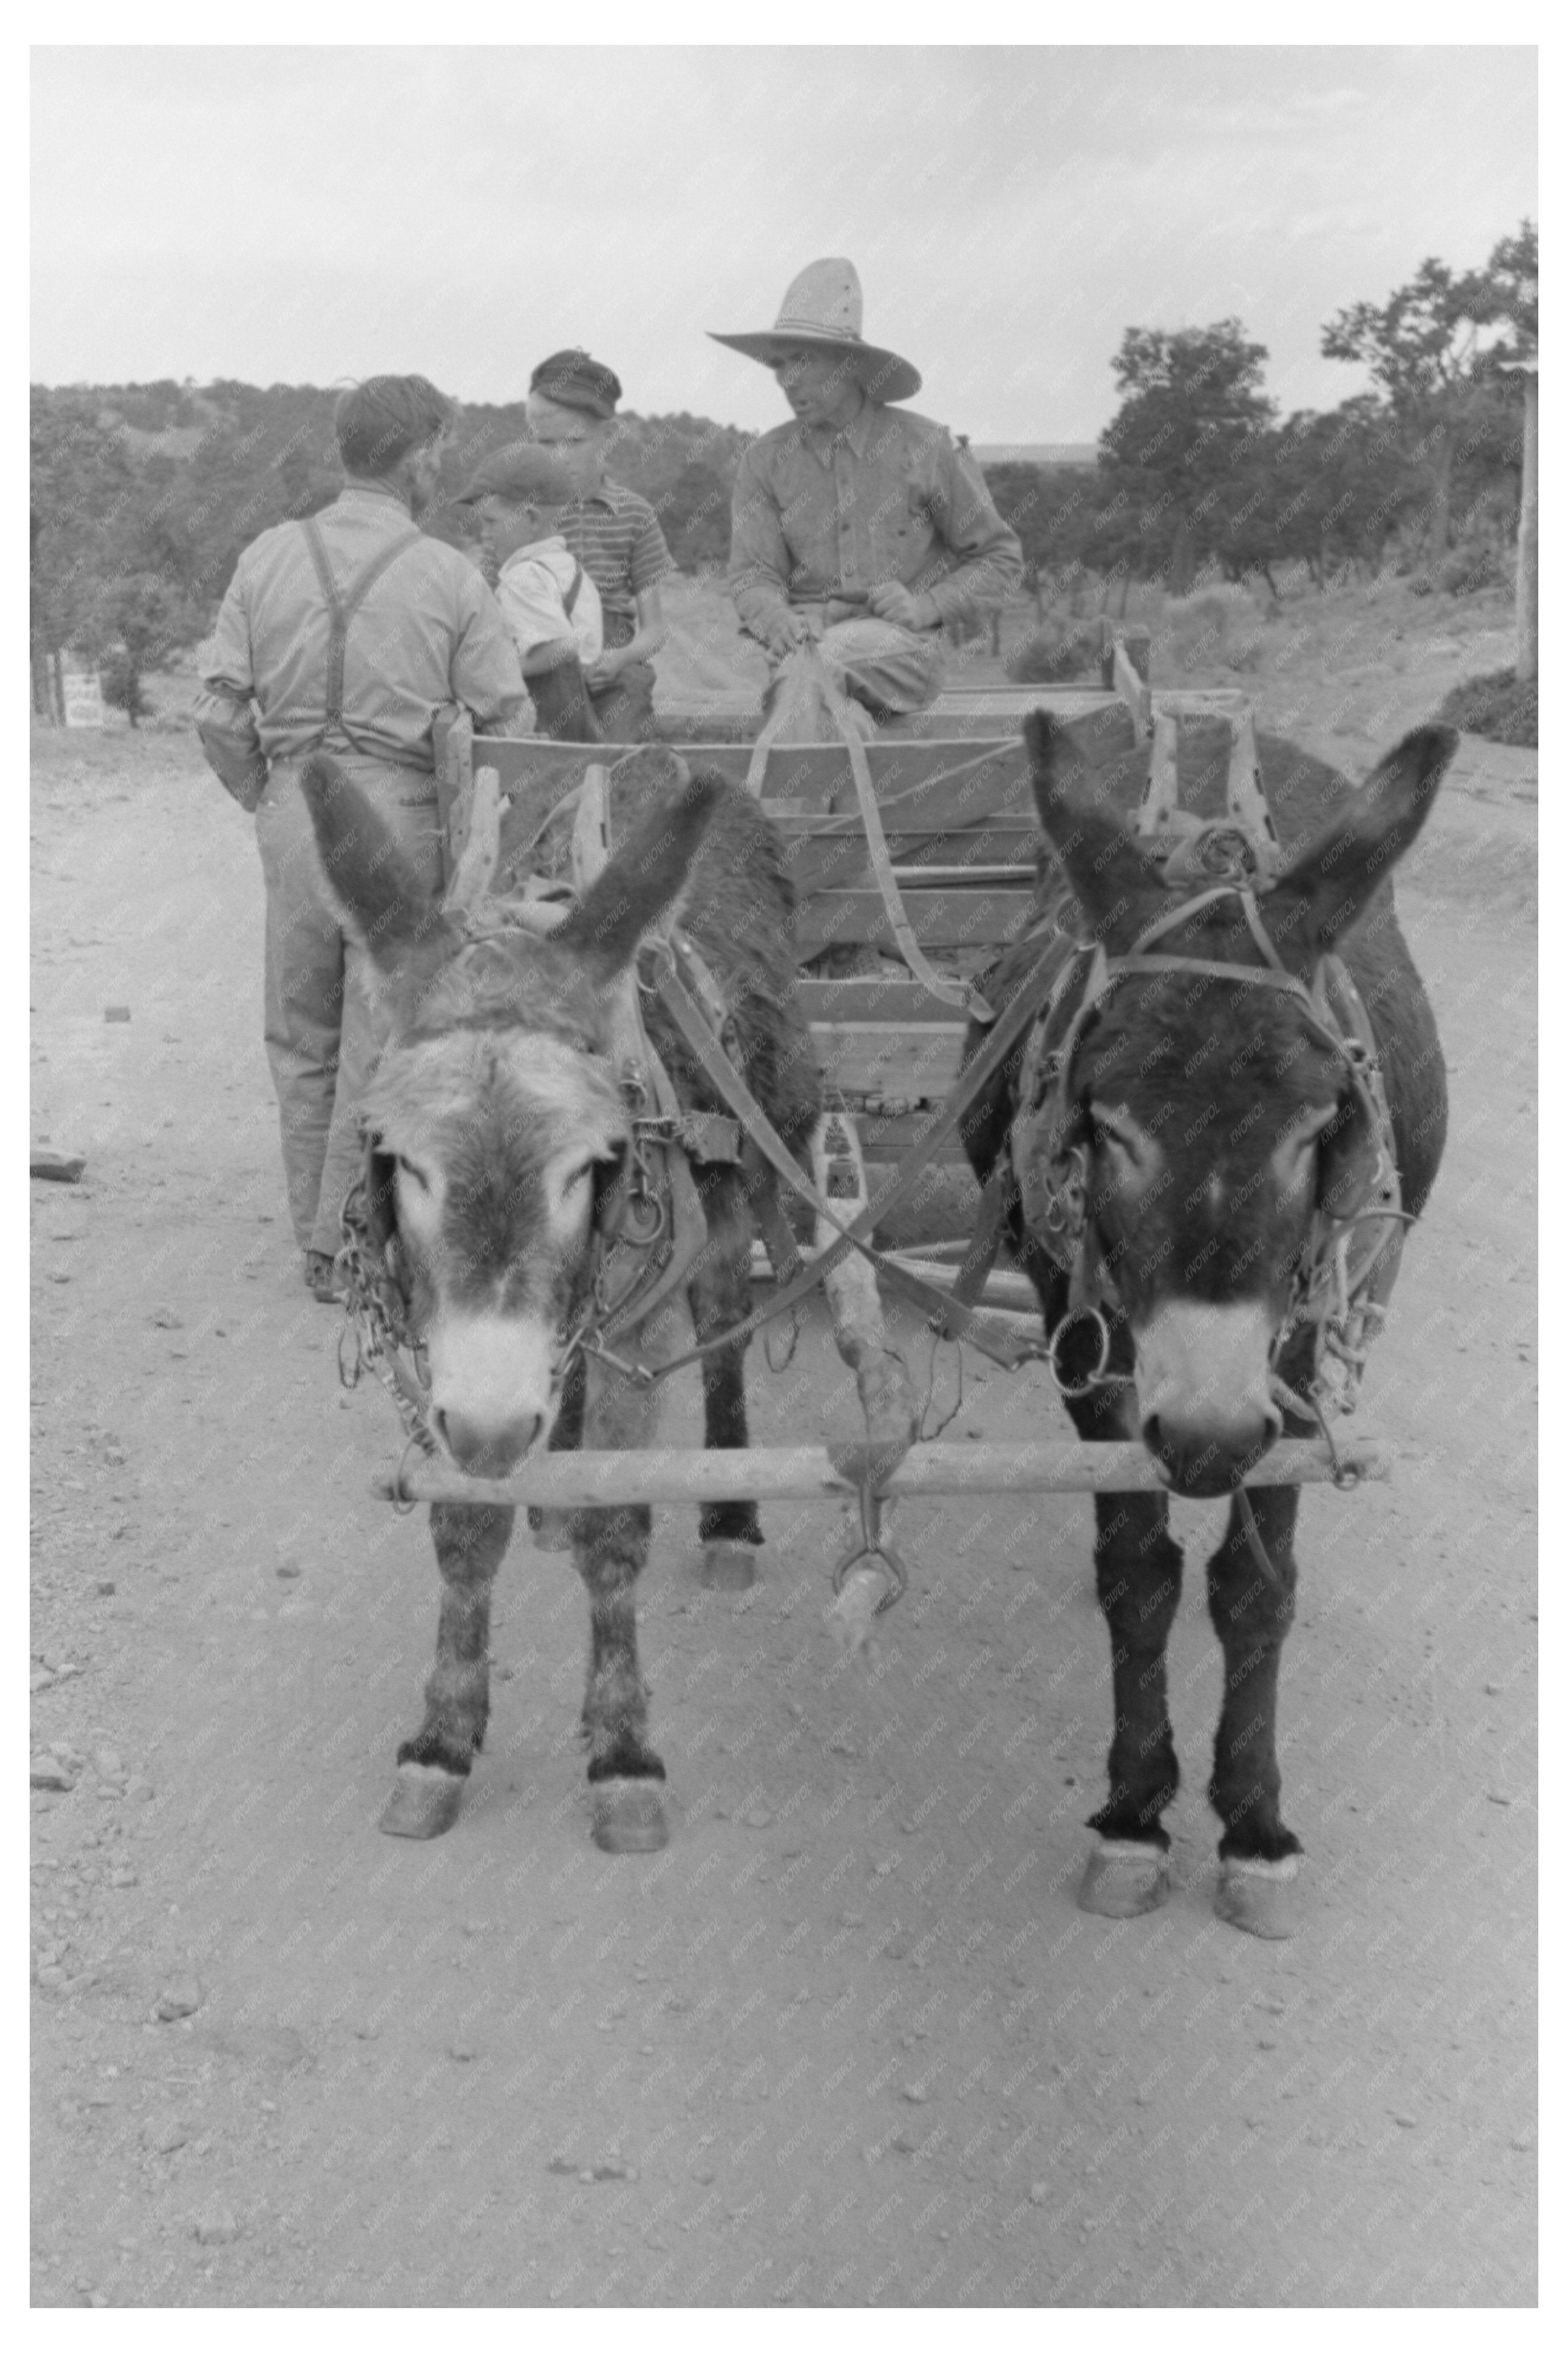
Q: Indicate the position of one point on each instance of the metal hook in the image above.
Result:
(867, 1465)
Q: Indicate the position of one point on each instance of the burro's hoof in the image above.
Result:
(424, 1803)
(551, 1530)
(1124, 1877)
(629, 1817)
(1264, 1898)
(727, 1566)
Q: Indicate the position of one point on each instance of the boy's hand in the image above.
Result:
(606, 670)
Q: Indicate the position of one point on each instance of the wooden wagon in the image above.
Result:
(956, 809)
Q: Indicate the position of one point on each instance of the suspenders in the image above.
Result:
(343, 604)
(569, 601)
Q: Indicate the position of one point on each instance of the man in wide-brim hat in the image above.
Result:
(859, 525)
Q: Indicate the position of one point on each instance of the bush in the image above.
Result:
(1469, 568)
(121, 685)
(1065, 649)
(1497, 706)
(1218, 626)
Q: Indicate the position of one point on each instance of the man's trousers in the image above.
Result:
(884, 667)
(322, 1027)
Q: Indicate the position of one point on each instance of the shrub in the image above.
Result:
(1215, 627)
(1062, 649)
(120, 683)
(1469, 568)
(1499, 706)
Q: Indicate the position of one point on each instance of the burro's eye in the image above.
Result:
(1295, 1153)
(569, 1185)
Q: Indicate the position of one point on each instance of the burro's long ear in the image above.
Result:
(1327, 884)
(367, 871)
(1116, 881)
(644, 880)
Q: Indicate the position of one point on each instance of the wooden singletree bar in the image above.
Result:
(665, 1474)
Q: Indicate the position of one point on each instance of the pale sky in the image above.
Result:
(306, 215)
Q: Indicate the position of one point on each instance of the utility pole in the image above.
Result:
(1528, 591)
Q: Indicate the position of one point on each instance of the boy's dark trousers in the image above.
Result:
(562, 705)
(624, 710)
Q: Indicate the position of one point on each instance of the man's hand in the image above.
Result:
(893, 602)
(783, 631)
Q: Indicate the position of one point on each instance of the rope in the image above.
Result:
(961, 994)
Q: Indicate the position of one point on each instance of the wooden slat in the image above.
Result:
(916, 1061)
(818, 860)
(888, 1137)
(893, 999)
(452, 739)
(938, 918)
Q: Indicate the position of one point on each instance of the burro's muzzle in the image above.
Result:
(490, 1389)
(1203, 1403)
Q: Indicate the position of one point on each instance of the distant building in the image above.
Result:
(1036, 453)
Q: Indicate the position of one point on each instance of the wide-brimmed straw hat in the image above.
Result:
(821, 312)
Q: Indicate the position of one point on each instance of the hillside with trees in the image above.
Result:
(143, 495)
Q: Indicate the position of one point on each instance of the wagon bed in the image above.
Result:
(952, 784)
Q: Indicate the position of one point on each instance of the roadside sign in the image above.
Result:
(83, 699)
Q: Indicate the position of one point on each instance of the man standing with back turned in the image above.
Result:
(861, 526)
(346, 634)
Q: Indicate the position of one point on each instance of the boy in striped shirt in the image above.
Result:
(613, 532)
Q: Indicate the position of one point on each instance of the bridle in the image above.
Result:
(1344, 1275)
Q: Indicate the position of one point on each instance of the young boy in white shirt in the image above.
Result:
(549, 602)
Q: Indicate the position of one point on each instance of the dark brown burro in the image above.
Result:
(496, 1127)
(1190, 1135)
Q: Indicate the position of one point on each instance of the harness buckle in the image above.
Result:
(1080, 1387)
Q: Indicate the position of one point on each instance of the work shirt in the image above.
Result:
(532, 592)
(615, 536)
(889, 498)
(428, 633)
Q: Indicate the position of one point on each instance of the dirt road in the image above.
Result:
(848, 2039)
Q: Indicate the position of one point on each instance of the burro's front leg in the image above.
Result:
(719, 1294)
(1137, 1577)
(1252, 1603)
(609, 1546)
(471, 1540)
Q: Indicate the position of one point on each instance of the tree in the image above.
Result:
(1050, 508)
(1342, 487)
(135, 623)
(83, 491)
(695, 514)
(1192, 408)
(1434, 349)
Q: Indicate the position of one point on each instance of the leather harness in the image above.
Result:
(1341, 1288)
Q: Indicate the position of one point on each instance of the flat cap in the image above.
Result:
(574, 381)
(526, 471)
